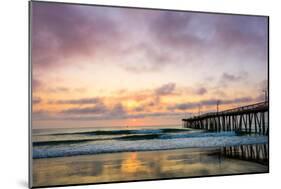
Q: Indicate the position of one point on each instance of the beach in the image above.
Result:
(132, 166)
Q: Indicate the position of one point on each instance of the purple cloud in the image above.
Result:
(78, 101)
(61, 31)
(165, 89)
(201, 91)
(209, 102)
(36, 100)
(118, 110)
(36, 84)
(96, 109)
(230, 77)
(201, 37)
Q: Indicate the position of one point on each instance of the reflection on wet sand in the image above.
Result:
(256, 153)
(139, 166)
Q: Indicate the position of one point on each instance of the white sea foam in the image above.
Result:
(176, 142)
(146, 131)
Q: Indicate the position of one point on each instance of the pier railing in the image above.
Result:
(249, 118)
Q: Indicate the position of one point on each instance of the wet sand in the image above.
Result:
(129, 166)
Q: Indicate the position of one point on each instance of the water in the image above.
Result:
(72, 142)
(141, 165)
(99, 155)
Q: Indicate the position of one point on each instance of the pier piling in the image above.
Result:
(250, 119)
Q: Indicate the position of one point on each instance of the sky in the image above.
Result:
(95, 66)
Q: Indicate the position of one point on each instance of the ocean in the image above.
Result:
(71, 142)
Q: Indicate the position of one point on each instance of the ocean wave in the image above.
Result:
(63, 142)
(198, 134)
(120, 132)
(140, 135)
(111, 146)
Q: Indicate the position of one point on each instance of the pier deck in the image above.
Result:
(251, 118)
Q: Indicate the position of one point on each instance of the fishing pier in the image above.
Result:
(251, 118)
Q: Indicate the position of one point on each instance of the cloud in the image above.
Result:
(96, 109)
(263, 85)
(176, 26)
(117, 111)
(63, 31)
(80, 90)
(209, 102)
(92, 117)
(142, 41)
(101, 112)
(36, 84)
(165, 89)
(155, 114)
(262, 90)
(78, 101)
(58, 90)
(201, 38)
(148, 58)
(260, 98)
(219, 92)
(201, 91)
(42, 115)
(227, 78)
(140, 108)
(36, 100)
(45, 87)
(184, 106)
(230, 77)
(244, 34)
(238, 100)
